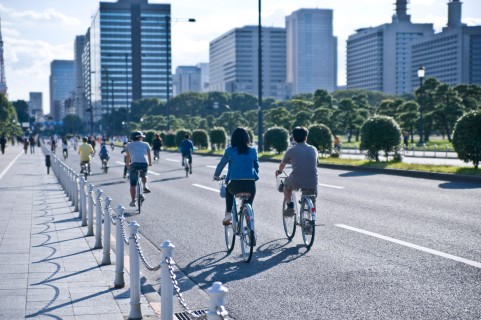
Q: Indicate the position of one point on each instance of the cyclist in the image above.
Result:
(187, 148)
(85, 150)
(124, 150)
(157, 146)
(53, 144)
(138, 159)
(65, 148)
(104, 153)
(303, 158)
(242, 171)
(92, 142)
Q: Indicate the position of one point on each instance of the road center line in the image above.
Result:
(204, 187)
(330, 186)
(10, 165)
(413, 246)
(173, 160)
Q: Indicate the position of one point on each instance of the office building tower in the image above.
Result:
(187, 79)
(311, 51)
(233, 62)
(127, 55)
(378, 58)
(453, 56)
(62, 79)
(204, 76)
(35, 106)
(3, 81)
(79, 100)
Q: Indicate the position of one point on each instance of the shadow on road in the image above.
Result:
(459, 185)
(357, 174)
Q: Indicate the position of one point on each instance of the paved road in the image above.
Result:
(386, 246)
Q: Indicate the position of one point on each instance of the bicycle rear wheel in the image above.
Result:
(289, 223)
(139, 195)
(186, 167)
(86, 172)
(247, 233)
(308, 226)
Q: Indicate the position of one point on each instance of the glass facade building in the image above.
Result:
(187, 79)
(61, 86)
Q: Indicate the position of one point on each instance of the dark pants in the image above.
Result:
(236, 186)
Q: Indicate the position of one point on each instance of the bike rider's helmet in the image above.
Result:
(136, 135)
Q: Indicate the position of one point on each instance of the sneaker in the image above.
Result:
(289, 212)
(146, 190)
(132, 204)
(190, 171)
(227, 219)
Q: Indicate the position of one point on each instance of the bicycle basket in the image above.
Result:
(280, 182)
(222, 190)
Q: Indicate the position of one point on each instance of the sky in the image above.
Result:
(35, 32)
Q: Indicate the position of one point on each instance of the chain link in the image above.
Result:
(123, 230)
(101, 207)
(139, 249)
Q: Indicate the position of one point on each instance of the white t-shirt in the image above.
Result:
(138, 151)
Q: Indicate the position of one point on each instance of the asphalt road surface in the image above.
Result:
(386, 247)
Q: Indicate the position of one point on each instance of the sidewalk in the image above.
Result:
(48, 269)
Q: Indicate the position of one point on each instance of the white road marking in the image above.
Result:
(120, 162)
(414, 246)
(10, 165)
(215, 167)
(204, 187)
(173, 160)
(330, 186)
(154, 173)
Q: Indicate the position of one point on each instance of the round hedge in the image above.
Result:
(467, 137)
(218, 138)
(169, 140)
(276, 138)
(381, 133)
(180, 136)
(320, 136)
(200, 138)
(149, 136)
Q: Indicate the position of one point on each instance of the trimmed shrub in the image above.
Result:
(381, 133)
(276, 138)
(149, 136)
(218, 138)
(169, 140)
(200, 138)
(467, 137)
(180, 136)
(320, 136)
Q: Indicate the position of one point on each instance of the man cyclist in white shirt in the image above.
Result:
(138, 158)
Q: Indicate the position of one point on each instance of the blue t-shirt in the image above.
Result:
(186, 147)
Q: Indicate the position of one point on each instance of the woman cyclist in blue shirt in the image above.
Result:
(242, 171)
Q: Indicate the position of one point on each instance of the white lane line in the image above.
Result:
(10, 165)
(204, 187)
(330, 186)
(120, 162)
(173, 160)
(414, 246)
(214, 167)
(154, 173)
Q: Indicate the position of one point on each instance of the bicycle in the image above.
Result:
(139, 191)
(85, 170)
(105, 165)
(186, 167)
(65, 154)
(156, 156)
(242, 225)
(304, 216)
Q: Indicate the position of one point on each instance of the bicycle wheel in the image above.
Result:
(139, 195)
(308, 226)
(186, 167)
(247, 233)
(229, 232)
(86, 172)
(289, 223)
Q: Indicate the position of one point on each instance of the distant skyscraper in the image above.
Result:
(204, 76)
(187, 79)
(127, 54)
(35, 106)
(79, 101)
(311, 51)
(233, 62)
(62, 81)
(378, 58)
(3, 81)
(453, 56)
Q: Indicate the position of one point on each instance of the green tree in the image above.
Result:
(180, 135)
(278, 117)
(21, 107)
(346, 115)
(448, 108)
(9, 125)
(322, 98)
(303, 119)
(231, 120)
(425, 97)
(276, 138)
(408, 114)
(218, 138)
(72, 124)
(381, 133)
(320, 136)
(241, 101)
(200, 139)
(470, 94)
(467, 137)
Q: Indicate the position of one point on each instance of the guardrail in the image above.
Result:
(415, 151)
(82, 198)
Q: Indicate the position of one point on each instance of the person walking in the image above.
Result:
(31, 141)
(25, 144)
(157, 146)
(3, 143)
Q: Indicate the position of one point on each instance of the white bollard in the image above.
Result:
(135, 312)
(72, 186)
(83, 201)
(119, 254)
(90, 219)
(167, 288)
(98, 220)
(107, 221)
(217, 294)
(76, 193)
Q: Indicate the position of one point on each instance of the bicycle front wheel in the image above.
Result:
(308, 226)
(289, 223)
(229, 232)
(247, 232)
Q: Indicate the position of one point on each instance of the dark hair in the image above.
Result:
(186, 136)
(240, 140)
(299, 134)
(84, 139)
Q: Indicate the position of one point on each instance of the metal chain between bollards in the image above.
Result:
(141, 255)
(221, 311)
(123, 230)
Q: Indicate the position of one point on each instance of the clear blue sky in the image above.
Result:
(35, 32)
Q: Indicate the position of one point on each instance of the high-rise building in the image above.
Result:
(62, 79)
(187, 79)
(35, 106)
(378, 58)
(3, 81)
(79, 100)
(127, 55)
(453, 56)
(204, 76)
(233, 61)
(311, 51)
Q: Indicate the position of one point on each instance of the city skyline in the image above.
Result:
(32, 36)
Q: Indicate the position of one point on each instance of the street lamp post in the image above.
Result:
(259, 119)
(421, 73)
